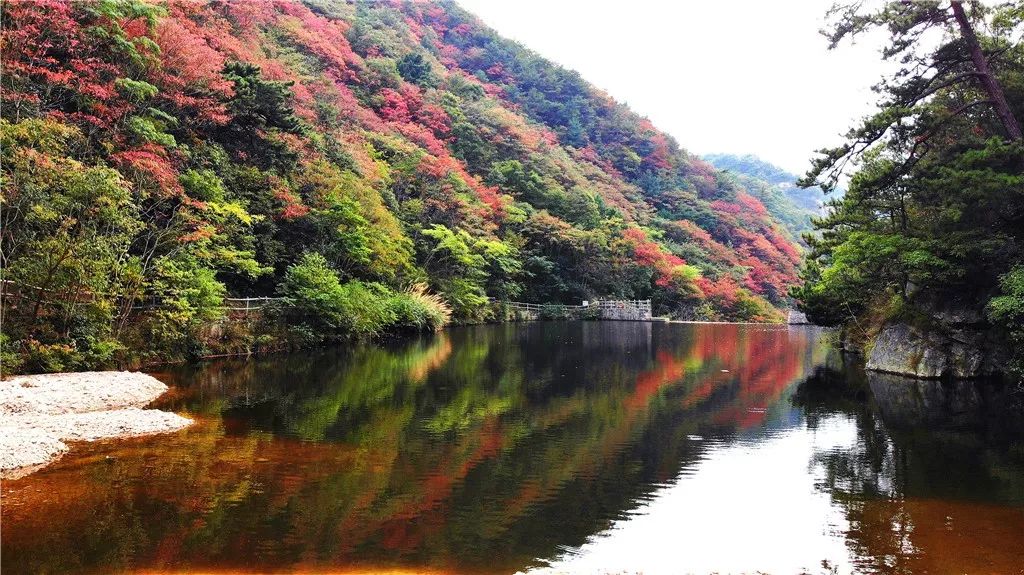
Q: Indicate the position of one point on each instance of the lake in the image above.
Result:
(547, 447)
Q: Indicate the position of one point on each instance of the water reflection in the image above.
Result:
(934, 481)
(573, 446)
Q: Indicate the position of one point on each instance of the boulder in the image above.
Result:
(949, 351)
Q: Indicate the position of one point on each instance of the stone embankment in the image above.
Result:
(39, 413)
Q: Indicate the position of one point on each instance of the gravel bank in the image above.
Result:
(39, 412)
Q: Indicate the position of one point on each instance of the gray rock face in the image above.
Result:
(956, 352)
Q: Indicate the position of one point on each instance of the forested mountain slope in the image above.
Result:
(160, 156)
(776, 188)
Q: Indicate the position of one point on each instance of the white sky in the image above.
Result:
(737, 76)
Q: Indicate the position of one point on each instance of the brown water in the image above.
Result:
(557, 447)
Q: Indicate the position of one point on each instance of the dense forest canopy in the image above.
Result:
(933, 222)
(381, 166)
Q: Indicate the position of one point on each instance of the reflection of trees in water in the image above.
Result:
(928, 458)
(867, 470)
(481, 448)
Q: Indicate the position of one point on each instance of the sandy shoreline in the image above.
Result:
(38, 413)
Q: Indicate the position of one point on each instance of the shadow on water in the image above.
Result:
(499, 448)
(933, 482)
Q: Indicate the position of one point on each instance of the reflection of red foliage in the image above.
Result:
(338, 499)
(760, 366)
(667, 370)
(436, 488)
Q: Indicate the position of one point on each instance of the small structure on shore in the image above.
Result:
(796, 317)
(623, 310)
(630, 310)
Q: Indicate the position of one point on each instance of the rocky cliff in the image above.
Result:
(951, 343)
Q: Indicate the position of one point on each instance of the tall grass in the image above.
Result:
(416, 308)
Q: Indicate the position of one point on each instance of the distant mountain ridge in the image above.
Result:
(776, 188)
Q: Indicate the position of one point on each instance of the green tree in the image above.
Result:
(67, 233)
(416, 69)
(1007, 310)
(935, 213)
(463, 267)
(260, 109)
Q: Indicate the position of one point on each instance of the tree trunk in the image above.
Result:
(988, 80)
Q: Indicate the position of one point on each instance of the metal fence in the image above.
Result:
(537, 306)
(607, 309)
(139, 302)
(611, 309)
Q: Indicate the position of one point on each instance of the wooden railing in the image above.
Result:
(248, 303)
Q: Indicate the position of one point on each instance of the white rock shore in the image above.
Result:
(39, 412)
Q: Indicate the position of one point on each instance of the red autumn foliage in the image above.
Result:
(497, 73)
(723, 290)
(423, 137)
(461, 30)
(51, 62)
(323, 37)
(650, 254)
(434, 118)
(448, 55)
(291, 204)
(394, 106)
(53, 67)
(202, 233)
(750, 205)
(190, 77)
(150, 166)
(703, 176)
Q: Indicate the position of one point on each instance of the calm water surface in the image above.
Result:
(586, 447)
